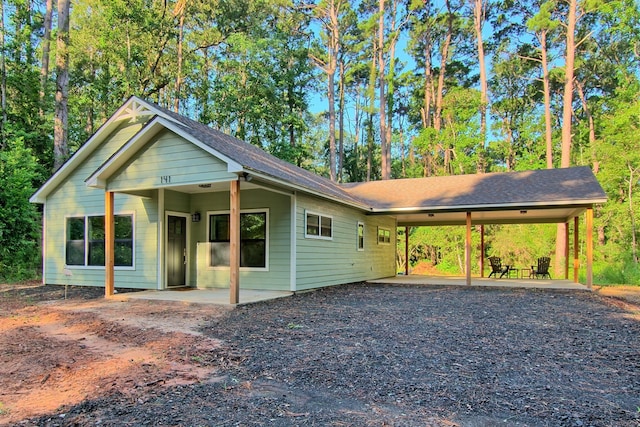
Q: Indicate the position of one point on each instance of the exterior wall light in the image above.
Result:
(195, 217)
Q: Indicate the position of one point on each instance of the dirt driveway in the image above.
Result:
(354, 355)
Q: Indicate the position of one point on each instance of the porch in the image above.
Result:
(220, 296)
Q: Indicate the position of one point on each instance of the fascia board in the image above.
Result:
(504, 206)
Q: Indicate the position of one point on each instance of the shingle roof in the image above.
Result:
(537, 187)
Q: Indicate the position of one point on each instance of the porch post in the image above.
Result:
(109, 244)
(406, 250)
(566, 251)
(482, 250)
(234, 240)
(467, 250)
(589, 223)
(576, 242)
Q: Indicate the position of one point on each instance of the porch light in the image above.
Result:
(195, 217)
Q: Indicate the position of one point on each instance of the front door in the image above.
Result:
(176, 251)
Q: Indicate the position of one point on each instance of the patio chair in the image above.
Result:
(543, 268)
(496, 267)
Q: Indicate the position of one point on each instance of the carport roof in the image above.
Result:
(538, 196)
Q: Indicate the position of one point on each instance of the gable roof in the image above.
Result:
(566, 191)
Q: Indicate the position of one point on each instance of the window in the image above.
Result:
(253, 239)
(318, 226)
(75, 241)
(384, 236)
(360, 236)
(86, 241)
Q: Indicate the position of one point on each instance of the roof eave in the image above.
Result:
(484, 207)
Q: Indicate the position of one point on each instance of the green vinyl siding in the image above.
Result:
(74, 198)
(323, 262)
(169, 160)
(279, 240)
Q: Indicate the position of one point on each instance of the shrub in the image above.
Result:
(19, 219)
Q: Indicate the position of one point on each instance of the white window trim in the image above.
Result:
(360, 224)
(242, 211)
(320, 216)
(378, 236)
(86, 265)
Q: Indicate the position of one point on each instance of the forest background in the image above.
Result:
(354, 91)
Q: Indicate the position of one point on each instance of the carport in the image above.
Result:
(529, 197)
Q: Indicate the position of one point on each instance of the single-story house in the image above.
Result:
(154, 200)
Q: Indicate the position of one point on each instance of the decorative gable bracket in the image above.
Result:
(134, 111)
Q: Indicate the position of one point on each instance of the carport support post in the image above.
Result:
(234, 242)
(482, 251)
(109, 244)
(467, 250)
(576, 242)
(566, 251)
(589, 223)
(406, 250)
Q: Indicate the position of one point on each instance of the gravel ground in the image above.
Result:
(382, 355)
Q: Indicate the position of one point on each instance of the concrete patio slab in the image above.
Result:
(202, 296)
(483, 282)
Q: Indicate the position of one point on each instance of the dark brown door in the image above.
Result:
(176, 251)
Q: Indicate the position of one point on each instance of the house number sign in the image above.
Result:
(165, 179)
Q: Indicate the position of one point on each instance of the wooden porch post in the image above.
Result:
(589, 224)
(467, 250)
(482, 251)
(576, 243)
(109, 244)
(566, 251)
(406, 250)
(234, 242)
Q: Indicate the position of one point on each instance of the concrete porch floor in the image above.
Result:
(483, 282)
(248, 296)
(202, 296)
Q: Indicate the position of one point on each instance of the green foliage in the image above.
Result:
(19, 219)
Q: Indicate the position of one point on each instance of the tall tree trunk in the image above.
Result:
(331, 26)
(428, 84)
(444, 56)
(567, 113)
(341, 76)
(46, 44)
(634, 245)
(60, 132)
(386, 167)
(372, 99)
(478, 20)
(567, 102)
(546, 87)
(179, 11)
(3, 79)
